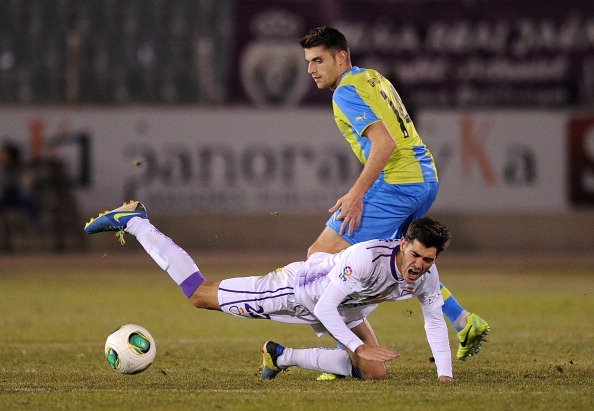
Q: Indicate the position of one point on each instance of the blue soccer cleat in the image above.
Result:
(270, 353)
(116, 220)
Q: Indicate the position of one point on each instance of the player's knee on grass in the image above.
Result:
(375, 375)
(373, 370)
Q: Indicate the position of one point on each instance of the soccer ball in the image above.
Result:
(130, 349)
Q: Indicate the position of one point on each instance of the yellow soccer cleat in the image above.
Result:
(472, 336)
(270, 352)
(329, 377)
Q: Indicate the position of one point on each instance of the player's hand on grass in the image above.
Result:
(445, 378)
(351, 209)
(376, 353)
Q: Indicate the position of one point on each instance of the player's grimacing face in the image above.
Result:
(416, 259)
(325, 66)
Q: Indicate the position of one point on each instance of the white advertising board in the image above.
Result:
(253, 161)
(195, 160)
(502, 161)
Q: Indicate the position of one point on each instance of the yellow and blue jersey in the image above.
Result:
(364, 97)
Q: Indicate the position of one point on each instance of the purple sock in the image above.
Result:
(190, 284)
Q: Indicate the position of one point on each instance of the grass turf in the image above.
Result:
(57, 312)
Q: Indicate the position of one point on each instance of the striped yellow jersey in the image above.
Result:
(364, 97)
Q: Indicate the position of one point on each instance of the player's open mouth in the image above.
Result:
(413, 274)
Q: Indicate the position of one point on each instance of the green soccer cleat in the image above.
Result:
(116, 220)
(472, 336)
(329, 377)
(270, 352)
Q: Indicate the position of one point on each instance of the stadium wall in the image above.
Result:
(543, 234)
(510, 180)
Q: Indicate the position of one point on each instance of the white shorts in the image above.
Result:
(272, 297)
(269, 296)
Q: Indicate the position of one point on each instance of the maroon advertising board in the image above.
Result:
(444, 54)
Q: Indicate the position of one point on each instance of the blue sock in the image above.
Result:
(451, 308)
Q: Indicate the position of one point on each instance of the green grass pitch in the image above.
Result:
(56, 312)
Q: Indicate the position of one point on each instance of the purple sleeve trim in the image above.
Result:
(190, 284)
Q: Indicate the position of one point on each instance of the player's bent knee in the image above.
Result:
(312, 249)
(374, 371)
(205, 296)
(200, 302)
(195, 301)
(376, 375)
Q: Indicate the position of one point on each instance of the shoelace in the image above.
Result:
(120, 235)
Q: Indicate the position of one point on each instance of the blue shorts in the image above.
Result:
(388, 210)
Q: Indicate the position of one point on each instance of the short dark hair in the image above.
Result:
(430, 232)
(327, 37)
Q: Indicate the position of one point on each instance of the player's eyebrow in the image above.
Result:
(316, 58)
(427, 259)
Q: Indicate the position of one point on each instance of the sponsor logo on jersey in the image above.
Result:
(235, 310)
(247, 310)
(346, 272)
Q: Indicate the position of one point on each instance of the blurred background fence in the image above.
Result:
(114, 52)
(204, 110)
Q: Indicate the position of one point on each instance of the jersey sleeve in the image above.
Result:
(354, 107)
(326, 310)
(435, 326)
(437, 336)
(353, 267)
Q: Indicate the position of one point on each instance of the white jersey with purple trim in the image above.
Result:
(335, 292)
(367, 272)
(335, 287)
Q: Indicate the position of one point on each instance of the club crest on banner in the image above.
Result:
(272, 68)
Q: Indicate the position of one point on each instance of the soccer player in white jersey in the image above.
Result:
(334, 293)
(398, 182)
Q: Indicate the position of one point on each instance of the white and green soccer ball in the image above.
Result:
(130, 349)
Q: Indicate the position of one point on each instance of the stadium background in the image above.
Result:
(204, 110)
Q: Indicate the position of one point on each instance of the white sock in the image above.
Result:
(460, 322)
(168, 255)
(328, 360)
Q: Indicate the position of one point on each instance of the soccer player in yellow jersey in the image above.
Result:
(398, 183)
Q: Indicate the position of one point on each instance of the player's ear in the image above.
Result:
(343, 57)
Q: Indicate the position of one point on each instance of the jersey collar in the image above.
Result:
(394, 269)
(351, 70)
